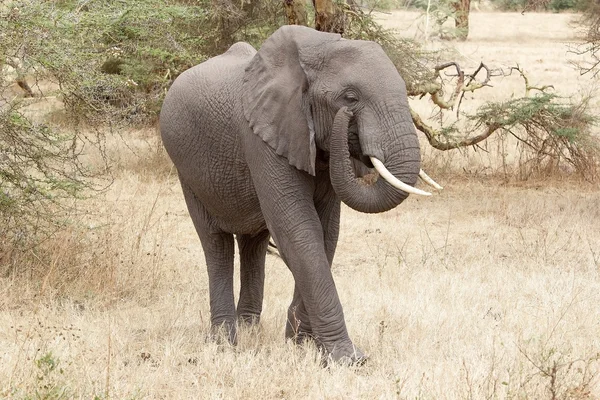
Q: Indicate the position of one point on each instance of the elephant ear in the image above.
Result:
(274, 94)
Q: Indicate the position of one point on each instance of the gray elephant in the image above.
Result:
(263, 141)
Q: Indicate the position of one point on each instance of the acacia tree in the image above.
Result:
(552, 130)
(109, 64)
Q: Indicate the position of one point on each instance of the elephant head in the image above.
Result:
(306, 90)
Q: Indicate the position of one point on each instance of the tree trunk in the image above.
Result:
(296, 12)
(329, 14)
(329, 17)
(461, 18)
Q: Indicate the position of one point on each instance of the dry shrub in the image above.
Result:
(552, 134)
(141, 153)
(553, 371)
(588, 25)
(99, 262)
(532, 137)
(154, 164)
(62, 265)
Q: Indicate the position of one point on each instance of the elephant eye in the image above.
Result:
(351, 97)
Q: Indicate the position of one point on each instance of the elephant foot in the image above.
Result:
(299, 338)
(248, 319)
(224, 333)
(343, 353)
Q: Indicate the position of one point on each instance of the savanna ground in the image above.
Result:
(489, 289)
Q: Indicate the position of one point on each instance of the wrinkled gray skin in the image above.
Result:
(262, 142)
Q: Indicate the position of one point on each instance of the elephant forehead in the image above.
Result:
(362, 61)
(355, 51)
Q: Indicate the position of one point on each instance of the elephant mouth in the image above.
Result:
(354, 146)
(373, 164)
(370, 197)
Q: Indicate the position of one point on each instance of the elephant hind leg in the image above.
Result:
(253, 250)
(218, 252)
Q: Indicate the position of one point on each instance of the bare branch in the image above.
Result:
(451, 143)
(473, 85)
(528, 87)
(436, 89)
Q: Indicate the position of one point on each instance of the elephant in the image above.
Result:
(262, 142)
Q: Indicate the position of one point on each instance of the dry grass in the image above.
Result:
(487, 290)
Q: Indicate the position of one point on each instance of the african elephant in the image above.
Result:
(263, 141)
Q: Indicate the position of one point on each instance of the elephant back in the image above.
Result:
(204, 97)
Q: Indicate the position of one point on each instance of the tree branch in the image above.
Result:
(528, 87)
(435, 89)
(451, 143)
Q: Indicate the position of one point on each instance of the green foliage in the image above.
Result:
(114, 60)
(51, 384)
(562, 5)
(47, 363)
(543, 111)
(552, 130)
(152, 41)
(51, 381)
(40, 172)
(39, 175)
(510, 5)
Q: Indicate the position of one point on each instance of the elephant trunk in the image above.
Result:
(380, 196)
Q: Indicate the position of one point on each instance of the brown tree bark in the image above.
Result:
(329, 16)
(296, 12)
(461, 10)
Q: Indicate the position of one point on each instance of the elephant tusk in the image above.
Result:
(428, 180)
(395, 182)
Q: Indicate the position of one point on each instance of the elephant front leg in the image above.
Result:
(287, 201)
(297, 326)
(319, 314)
(295, 225)
(218, 252)
(253, 250)
(327, 206)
